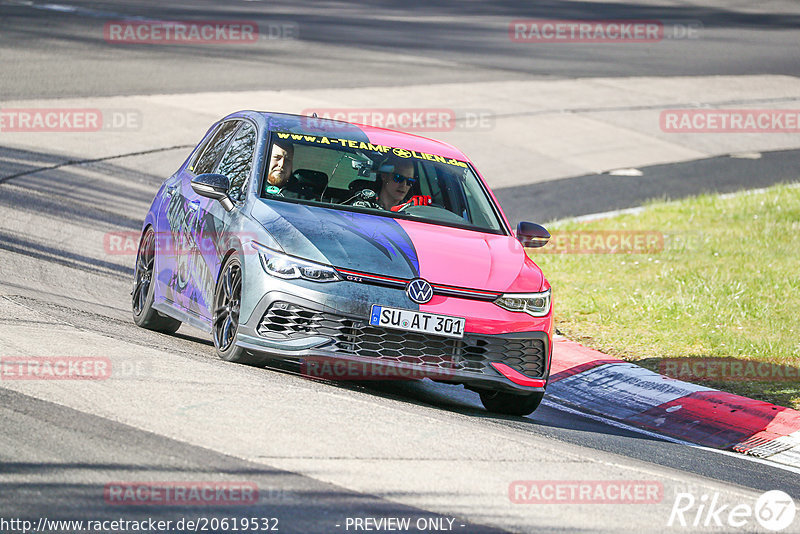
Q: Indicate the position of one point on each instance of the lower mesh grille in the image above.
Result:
(471, 354)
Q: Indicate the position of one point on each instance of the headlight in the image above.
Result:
(288, 267)
(536, 304)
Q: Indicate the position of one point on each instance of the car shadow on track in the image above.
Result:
(194, 339)
(546, 420)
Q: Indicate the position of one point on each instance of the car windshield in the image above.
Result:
(390, 181)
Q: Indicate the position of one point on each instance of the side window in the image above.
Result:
(213, 150)
(238, 160)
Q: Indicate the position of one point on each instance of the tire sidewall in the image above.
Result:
(147, 312)
(232, 353)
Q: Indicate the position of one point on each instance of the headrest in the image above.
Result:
(307, 177)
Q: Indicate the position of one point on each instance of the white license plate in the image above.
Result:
(414, 321)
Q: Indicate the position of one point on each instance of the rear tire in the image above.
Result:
(144, 315)
(225, 318)
(511, 403)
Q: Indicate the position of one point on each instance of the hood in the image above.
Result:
(465, 258)
(400, 248)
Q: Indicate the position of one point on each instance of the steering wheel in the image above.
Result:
(405, 207)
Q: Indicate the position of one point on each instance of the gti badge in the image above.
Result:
(419, 291)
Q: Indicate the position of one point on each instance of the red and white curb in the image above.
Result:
(625, 392)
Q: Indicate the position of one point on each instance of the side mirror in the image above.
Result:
(214, 186)
(532, 235)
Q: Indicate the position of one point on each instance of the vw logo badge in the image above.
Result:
(419, 290)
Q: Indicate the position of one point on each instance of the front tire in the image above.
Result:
(144, 315)
(511, 403)
(225, 319)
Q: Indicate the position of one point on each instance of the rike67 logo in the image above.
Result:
(774, 511)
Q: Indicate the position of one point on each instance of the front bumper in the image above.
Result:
(320, 338)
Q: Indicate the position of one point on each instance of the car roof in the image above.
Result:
(303, 124)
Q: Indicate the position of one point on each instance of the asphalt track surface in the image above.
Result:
(56, 458)
(601, 193)
(52, 53)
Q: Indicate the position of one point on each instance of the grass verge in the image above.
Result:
(713, 279)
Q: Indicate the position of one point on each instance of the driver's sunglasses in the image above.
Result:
(399, 178)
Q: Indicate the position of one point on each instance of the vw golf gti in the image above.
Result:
(312, 240)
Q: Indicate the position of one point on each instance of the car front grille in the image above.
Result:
(471, 354)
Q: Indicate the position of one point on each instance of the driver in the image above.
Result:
(396, 185)
(280, 167)
(396, 182)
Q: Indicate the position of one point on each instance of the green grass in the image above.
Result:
(726, 284)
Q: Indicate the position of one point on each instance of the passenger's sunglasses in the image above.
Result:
(399, 178)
